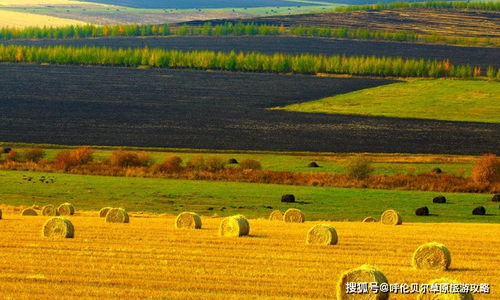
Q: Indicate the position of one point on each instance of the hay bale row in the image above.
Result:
(234, 226)
(364, 273)
(188, 220)
(322, 234)
(58, 227)
(391, 217)
(293, 215)
(431, 256)
(117, 215)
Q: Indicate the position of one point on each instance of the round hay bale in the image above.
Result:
(117, 215)
(49, 210)
(480, 211)
(104, 211)
(188, 220)
(391, 217)
(313, 164)
(66, 209)
(276, 215)
(364, 273)
(431, 256)
(293, 215)
(288, 198)
(437, 171)
(496, 198)
(422, 211)
(246, 229)
(6, 150)
(232, 161)
(58, 227)
(446, 296)
(29, 212)
(233, 227)
(439, 199)
(0, 214)
(369, 220)
(322, 234)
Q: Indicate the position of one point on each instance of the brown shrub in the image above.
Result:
(197, 162)
(13, 155)
(250, 164)
(171, 164)
(69, 159)
(486, 170)
(33, 154)
(120, 158)
(215, 163)
(359, 167)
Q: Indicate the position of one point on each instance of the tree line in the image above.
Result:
(238, 61)
(231, 29)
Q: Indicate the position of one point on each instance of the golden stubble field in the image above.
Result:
(148, 258)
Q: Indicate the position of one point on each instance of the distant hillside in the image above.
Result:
(202, 4)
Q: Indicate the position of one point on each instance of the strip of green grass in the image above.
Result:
(173, 196)
(450, 100)
(384, 164)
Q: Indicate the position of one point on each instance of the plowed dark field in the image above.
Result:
(196, 109)
(269, 44)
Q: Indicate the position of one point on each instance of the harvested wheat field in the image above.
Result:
(149, 258)
(21, 19)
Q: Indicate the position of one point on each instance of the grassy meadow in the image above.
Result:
(449, 100)
(207, 198)
(149, 258)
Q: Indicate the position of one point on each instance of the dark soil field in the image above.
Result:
(269, 44)
(186, 4)
(216, 110)
(463, 23)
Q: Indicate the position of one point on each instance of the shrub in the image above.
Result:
(13, 155)
(33, 154)
(120, 158)
(486, 170)
(172, 164)
(197, 163)
(359, 168)
(251, 164)
(215, 163)
(72, 158)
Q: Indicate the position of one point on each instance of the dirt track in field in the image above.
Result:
(292, 45)
(216, 110)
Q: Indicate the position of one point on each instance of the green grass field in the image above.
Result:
(451, 100)
(209, 197)
(385, 164)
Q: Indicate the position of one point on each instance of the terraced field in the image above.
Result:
(149, 257)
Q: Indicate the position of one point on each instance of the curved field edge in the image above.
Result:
(227, 198)
(149, 257)
(448, 100)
